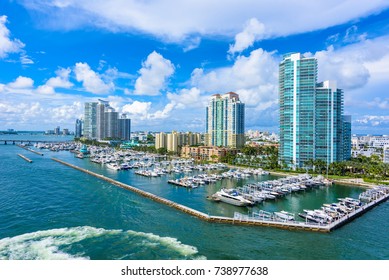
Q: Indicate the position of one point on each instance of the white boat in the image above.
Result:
(285, 216)
(231, 196)
(113, 166)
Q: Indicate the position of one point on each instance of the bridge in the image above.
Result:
(21, 141)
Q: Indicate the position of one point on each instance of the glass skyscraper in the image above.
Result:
(103, 122)
(311, 120)
(90, 120)
(225, 121)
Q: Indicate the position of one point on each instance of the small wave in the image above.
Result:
(60, 244)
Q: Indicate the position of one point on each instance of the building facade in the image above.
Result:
(225, 118)
(90, 120)
(124, 128)
(78, 129)
(386, 154)
(206, 153)
(102, 122)
(312, 125)
(174, 141)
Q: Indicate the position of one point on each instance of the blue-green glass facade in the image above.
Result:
(297, 82)
(311, 115)
(225, 121)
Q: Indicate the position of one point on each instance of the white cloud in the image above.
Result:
(8, 45)
(25, 59)
(21, 83)
(61, 80)
(373, 120)
(153, 75)
(188, 98)
(253, 31)
(45, 89)
(67, 113)
(137, 110)
(352, 66)
(175, 20)
(91, 80)
(254, 77)
(353, 36)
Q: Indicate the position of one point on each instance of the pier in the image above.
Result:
(240, 219)
(25, 158)
(29, 142)
(30, 150)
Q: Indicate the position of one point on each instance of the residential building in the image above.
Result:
(101, 130)
(160, 140)
(111, 123)
(102, 122)
(206, 153)
(347, 137)
(173, 141)
(386, 154)
(90, 120)
(311, 115)
(57, 130)
(78, 129)
(225, 119)
(124, 128)
(65, 131)
(328, 124)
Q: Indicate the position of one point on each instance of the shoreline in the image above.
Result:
(345, 182)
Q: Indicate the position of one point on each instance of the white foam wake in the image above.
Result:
(53, 244)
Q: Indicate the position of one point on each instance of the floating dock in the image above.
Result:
(25, 158)
(30, 150)
(238, 219)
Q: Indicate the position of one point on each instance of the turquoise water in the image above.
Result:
(50, 211)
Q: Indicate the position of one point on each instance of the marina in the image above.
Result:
(30, 150)
(116, 216)
(280, 219)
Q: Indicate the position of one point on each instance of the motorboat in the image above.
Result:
(284, 216)
(232, 196)
(113, 166)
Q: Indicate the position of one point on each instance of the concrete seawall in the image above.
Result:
(244, 220)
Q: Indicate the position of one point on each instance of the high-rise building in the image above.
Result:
(297, 80)
(346, 137)
(174, 141)
(57, 130)
(225, 121)
(101, 129)
(386, 154)
(78, 129)
(102, 122)
(160, 140)
(328, 122)
(124, 128)
(111, 120)
(311, 121)
(90, 120)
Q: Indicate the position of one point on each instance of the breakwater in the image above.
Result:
(30, 150)
(25, 158)
(237, 219)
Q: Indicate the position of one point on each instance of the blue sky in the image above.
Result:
(159, 61)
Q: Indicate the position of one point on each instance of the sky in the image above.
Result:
(160, 61)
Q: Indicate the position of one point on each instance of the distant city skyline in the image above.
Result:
(160, 65)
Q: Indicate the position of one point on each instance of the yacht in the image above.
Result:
(113, 166)
(284, 216)
(231, 196)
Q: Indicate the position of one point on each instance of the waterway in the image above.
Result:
(50, 211)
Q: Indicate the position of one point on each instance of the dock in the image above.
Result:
(30, 150)
(25, 158)
(239, 219)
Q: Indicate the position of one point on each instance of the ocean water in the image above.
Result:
(50, 211)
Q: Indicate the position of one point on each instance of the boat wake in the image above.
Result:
(87, 242)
